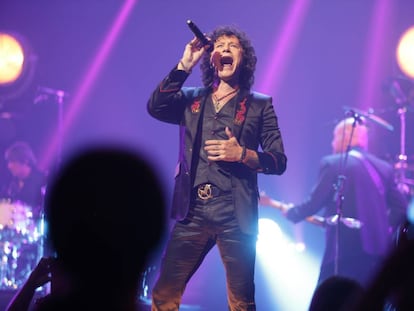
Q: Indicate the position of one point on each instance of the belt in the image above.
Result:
(209, 191)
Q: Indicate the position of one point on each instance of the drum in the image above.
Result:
(17, 262)
(16, 216)
(6, 214)
(20, 243)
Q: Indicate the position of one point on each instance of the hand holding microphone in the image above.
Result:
(193, 50)
(199, 35)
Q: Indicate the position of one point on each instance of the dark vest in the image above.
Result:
(213, 127)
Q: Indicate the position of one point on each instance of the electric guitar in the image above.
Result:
(265, 200)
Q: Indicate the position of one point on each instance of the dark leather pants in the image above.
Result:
(209, 222)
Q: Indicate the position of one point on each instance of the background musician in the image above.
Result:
(357, 190)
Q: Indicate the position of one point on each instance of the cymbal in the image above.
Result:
(369, 115)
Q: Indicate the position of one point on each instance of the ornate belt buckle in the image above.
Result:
(204, 192)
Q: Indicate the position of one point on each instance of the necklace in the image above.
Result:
(216, 101)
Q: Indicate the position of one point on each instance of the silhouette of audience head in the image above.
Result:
(336, 293)
(105, 214)
(393, 286)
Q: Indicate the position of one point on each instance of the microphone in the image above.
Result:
(200, 36)
(369, 115)
(49, 91)
(45, 93)
(353, 114)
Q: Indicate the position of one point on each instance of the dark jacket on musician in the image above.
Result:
(255, 125)
(369, 196)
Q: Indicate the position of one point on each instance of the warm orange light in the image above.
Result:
(11, 59)
(17, 65)
(405, 52)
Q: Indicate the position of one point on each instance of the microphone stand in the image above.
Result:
(58, 97)
(403, 182)
(339, 189)
(403, 101)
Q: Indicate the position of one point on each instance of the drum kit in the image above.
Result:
(20, 243)
(402, 91)
(21, 232)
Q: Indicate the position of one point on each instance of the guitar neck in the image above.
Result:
(314, 219)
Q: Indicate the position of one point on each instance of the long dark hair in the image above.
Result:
(248, 64)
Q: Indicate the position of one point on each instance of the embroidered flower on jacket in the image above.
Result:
(241, 113)
(195, 107)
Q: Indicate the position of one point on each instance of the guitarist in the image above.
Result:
(357, 190)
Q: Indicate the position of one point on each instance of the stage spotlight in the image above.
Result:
(405, 52)
(17, 64)
(283, 262)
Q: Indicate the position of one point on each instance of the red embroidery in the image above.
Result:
(195, 107)
(241, 113)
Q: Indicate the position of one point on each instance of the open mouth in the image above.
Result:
(226, 60)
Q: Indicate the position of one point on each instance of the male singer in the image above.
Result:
(215, 198)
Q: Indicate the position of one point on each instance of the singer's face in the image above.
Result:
(227, 57)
